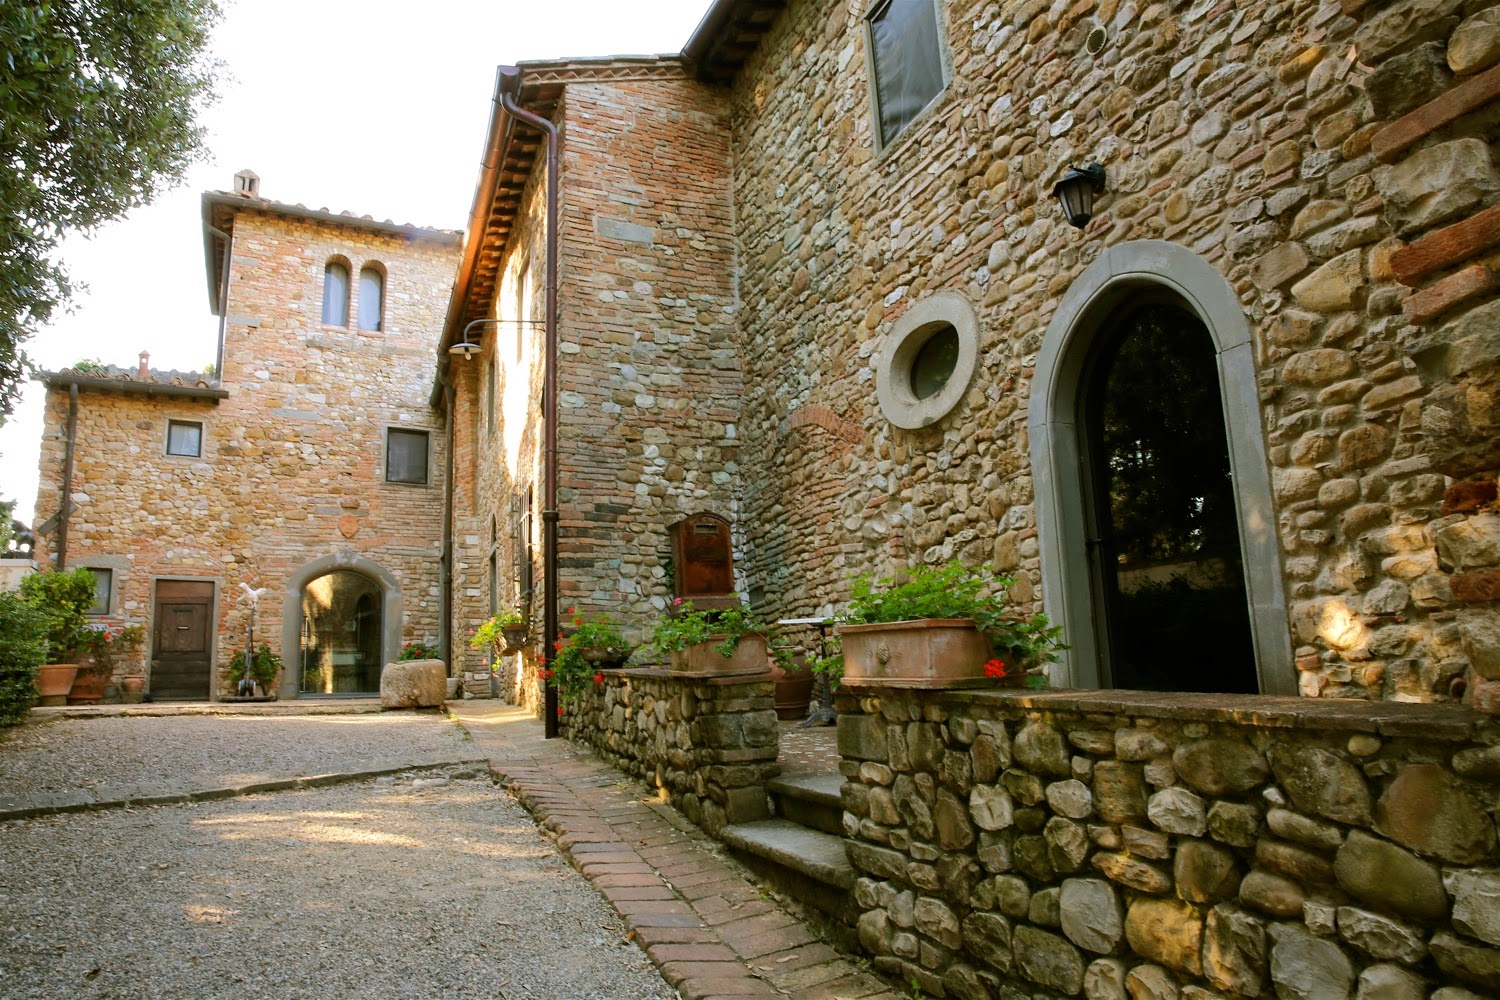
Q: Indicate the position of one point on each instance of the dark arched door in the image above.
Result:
(341, 632)
(1170, 604)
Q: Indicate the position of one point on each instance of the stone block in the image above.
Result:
(1333, 287)
(1130, 872)
(1234, 951)
(862, 737)
(1409, 79)
(1437, 184)
(1119, 792)
(987, 937)
(1472, 543)
(1305, 967)
(1089, 910)
(1475, 43)
(1177, 810)
(1476, 903)
(1105, 980)
(1040, 748)
(413, 684)
(1391, 982)
(1466, 960)
(1166, 931)
(1273, 894)
(1204, 872)
(1428, 305)
(1384, 875)
(1381, 937)
(1047, 960)
(1279, 265)
(1219, 767)
(1429, 811)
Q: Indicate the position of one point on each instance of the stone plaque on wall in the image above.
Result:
(704, 561)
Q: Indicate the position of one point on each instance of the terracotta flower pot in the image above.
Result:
(515, 637)
(132, 688)
(925, 653)
(53, 681)
(88, 688)
(605, 657)
(793, 689)
(703, 658)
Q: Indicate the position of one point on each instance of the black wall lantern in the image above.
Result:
(1076, 192)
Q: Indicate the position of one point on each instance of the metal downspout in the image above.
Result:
(67, 483)
(510, 84)
(445, 564)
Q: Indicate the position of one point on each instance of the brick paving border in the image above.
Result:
(700, 919)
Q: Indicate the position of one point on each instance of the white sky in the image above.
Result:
(378, 109)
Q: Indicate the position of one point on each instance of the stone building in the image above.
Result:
(1236, 433)
(308, 464)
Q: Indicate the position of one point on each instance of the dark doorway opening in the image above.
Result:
(1170, 602)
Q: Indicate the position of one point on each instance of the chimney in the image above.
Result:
(247, 184)
(145, 370)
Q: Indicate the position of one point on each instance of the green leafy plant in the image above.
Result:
(684, 626)
(263, 670)
(23, 647)
(959, 591)
(90, 366)
(64, 599)
(491, 632)
(581, 652)
(418, 651)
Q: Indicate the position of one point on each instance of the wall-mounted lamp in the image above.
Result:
(464, 347)
(1076, 193)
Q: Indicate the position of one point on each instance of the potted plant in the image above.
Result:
(731, 640)
(581, 656)
(23, 647)
(418, 651)
(63, 600)
(945, 626)
(108, 646)
(506, 631)
(264, 667)
(793, 676)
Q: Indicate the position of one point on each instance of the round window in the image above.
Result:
(934, 364)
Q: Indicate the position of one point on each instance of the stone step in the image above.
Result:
(807, 865)
(811, 798)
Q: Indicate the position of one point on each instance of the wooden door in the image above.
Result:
(183, 641)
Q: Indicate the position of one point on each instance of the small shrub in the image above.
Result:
(23, 647)
(418, 651)
(64, 598)
(686, 626)
(264, 670)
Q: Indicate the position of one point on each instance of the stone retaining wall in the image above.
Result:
(1165, 846)
(707, 743)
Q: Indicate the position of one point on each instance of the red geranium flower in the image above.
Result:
(559, 711)
(994, 669)
(599, 677)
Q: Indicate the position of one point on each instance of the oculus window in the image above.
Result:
(906, 62)
(371, 298)
(406, 457)
(336, 294)
(184, 437)
(934, 362)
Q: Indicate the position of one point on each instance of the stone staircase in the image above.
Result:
(800, 850)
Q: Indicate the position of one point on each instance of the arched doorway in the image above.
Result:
(1163, 545)
(1099, 346)
(371, 623)
(340, 648)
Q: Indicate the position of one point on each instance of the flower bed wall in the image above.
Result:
(1119, 845)
(708, 743)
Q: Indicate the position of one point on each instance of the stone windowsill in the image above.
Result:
(716, 679)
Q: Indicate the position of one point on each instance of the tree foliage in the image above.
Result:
(98, 114)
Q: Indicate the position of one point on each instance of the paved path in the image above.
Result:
(712, 930)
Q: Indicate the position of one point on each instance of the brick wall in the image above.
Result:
(293, 463)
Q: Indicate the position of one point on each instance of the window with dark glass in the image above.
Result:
(184, 437)
(336, 294)
(406, 456)
(371, 298)
(934, 364)
(104, 581)
(906, 60)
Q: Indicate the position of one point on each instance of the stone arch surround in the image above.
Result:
(392, 604)
(1120, 272)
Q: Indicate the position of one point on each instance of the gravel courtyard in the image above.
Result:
(424, 884)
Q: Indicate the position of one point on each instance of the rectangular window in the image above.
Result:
(406, 456)
(494, 582)
(906, 62)
(104, 581)
(489, 406)
(184, 437)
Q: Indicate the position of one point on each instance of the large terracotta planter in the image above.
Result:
(88, 688)
(54, 681)
(793, 689)
(703, 658)
(925, 653)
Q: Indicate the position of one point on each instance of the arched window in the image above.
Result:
(371, 298)
(336, 294)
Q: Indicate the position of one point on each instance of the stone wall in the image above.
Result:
(1326, 159)
(1172, 845)
(292, 464)
(707, 743)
